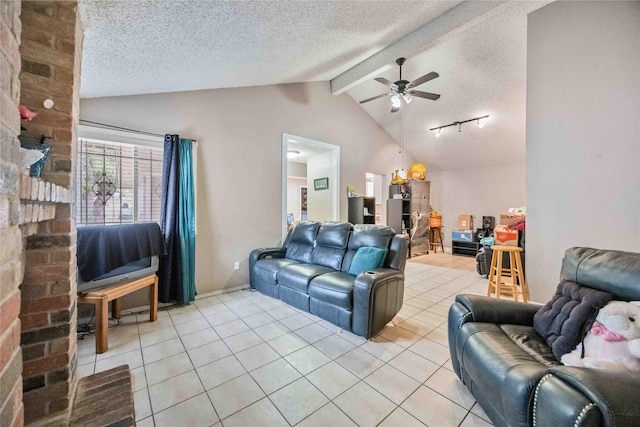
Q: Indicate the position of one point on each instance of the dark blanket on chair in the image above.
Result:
(103, 248)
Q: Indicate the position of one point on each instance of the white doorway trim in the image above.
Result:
(334, 179)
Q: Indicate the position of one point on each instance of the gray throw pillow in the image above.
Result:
(562, 321)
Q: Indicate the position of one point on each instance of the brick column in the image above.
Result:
(11, 256)
(51, 52)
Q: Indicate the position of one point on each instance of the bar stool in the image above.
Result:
(508, 281)
(435, 239)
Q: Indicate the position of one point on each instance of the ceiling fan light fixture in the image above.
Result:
(292, 154)
(404, 90)
(395, 101)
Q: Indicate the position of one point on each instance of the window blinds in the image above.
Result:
(117, 183)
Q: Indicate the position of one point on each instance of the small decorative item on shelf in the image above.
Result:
(34, 144)
(33, 160)
(351, 191)
(417, 171)
(29, 157)
(397, 179)
(26, 114)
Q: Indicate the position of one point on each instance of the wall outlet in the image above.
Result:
(236, 265)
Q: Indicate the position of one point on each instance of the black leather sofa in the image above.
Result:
(310, 272)
(513, 373)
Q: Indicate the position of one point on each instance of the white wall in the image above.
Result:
(320, 202)
(240, 147)
(583, 138)
(297, 169)
(481, 191)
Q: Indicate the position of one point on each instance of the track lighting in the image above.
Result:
(479, 121)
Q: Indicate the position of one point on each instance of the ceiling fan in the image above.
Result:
(403, 89)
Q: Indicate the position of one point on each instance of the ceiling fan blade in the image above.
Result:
(417, 82)
(427, 95)
(375, 97)
(386, 82)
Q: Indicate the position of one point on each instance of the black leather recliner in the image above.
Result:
(511, 370)
(309, 272)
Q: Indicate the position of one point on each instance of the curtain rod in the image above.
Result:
(123, 128)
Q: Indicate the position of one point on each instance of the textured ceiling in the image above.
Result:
(151, 46)
(482, 71)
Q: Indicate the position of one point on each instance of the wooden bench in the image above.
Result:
(101, 298)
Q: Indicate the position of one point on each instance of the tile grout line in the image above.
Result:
(473, 285)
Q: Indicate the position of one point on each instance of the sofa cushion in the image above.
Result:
(298, 276)
(367, 258)
(302, 239)
(563, 321)
(334, 234)
(366, 235)
(267, 268)
(531, 343)
(331, 244)
(333, 288)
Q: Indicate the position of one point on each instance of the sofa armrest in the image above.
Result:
(377, 298)
(492, 310)
(261, 253)
(475, 308)
(615, 393)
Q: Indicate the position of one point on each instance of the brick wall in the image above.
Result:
(50, 59)
(11, 256)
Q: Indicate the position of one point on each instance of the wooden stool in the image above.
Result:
(508, 281)
(101, 297)
(435, 240)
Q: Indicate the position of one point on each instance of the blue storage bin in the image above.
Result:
(461, 235)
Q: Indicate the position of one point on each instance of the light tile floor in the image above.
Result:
(245, 359)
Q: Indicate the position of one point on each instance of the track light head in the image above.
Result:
(439, 132)
(480, 124)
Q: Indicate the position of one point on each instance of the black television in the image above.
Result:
(126, 273)
(110, 255)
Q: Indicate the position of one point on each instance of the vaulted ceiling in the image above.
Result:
(478, 48)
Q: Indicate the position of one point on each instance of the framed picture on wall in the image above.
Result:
(321, 184)
(303, 202)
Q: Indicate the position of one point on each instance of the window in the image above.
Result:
(118, 182)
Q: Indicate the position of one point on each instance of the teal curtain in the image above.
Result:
(177, 220)
(187, 222)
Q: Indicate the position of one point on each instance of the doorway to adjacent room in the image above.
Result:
(310, 180)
